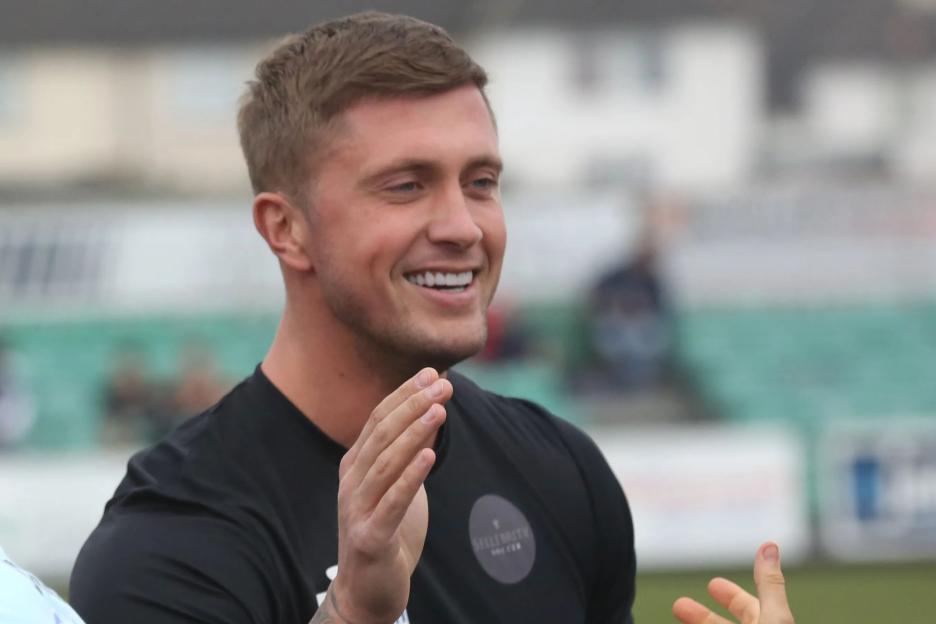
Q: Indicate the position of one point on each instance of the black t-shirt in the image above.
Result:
(232, 519)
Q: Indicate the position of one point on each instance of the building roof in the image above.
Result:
(139, 21)
(796, 32)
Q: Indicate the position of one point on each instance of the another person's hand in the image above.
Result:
(382, 507)
(771, 607)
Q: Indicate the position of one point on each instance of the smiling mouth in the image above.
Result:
(441, 281)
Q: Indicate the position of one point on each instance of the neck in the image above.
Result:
(321, 370)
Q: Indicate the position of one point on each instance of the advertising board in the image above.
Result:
(878, 490)
(705, 496)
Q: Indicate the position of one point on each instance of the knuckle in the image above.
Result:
(416, 402)
(746, 607)
(750, 612)
(344, 496)
(402, 491)
(410, 481)
(774, 578)
(365, 540)
(356, 537)
(345, 464)
(382, 466)
(393, 499)
(378, 415)
(404, 484)
(381, 434)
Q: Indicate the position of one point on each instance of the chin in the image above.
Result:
(444, 360)
(443, 356)
(442, 353)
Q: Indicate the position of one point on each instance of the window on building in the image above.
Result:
(620, 63)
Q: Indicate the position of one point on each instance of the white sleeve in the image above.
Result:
(24, 599)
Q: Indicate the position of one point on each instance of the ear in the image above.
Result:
(285, 228)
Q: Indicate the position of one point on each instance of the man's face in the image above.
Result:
(407, 231)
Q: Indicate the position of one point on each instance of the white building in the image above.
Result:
(679, 106)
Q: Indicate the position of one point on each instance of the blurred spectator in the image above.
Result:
(132, 400)
(629, 326)
(17, 409)
(199, 384)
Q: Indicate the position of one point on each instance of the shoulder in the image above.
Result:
(213, 544)
(540, 444)
(197, 563)
(192, 461)
(527, 421)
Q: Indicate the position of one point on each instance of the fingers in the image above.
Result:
(389, 427)
(739, 603)
(393, 505)
(771, 587)
(414, 384)
(392, 460)
(769, 607)
(688, 611)
(408, 402)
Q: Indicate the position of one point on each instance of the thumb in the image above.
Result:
(771, 587)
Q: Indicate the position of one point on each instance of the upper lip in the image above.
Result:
(474, 270)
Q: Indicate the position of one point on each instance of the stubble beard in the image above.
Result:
(398, 346)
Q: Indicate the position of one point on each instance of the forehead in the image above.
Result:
(447, 126)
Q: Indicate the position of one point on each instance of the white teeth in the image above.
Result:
(435, 279)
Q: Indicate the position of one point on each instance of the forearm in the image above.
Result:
(328, 611)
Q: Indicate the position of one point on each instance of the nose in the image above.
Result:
(452, 220)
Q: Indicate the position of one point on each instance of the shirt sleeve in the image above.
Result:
(162, 568)
(612, 596)
(24, 599)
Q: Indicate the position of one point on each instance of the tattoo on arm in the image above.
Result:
(328, 612)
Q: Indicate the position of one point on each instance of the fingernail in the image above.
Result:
(436, 389)
(424, 378)
(771, 552)
(429, 416)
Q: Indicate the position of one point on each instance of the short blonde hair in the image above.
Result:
(311, 78)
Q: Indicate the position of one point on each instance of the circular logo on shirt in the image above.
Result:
(501, 539)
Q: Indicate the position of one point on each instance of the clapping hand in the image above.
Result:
(382, 507)
(770, 606)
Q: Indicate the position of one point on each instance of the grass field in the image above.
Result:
(886, 594)
(880, 594)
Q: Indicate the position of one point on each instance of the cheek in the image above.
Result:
(383, 242)
(355, 238)
(495, 236)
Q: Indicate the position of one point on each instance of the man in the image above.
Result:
(25, 600)
(307, 492)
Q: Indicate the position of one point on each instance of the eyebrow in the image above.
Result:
(416, 165)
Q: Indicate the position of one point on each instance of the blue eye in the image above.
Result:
(484, 183)
(406, 187)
